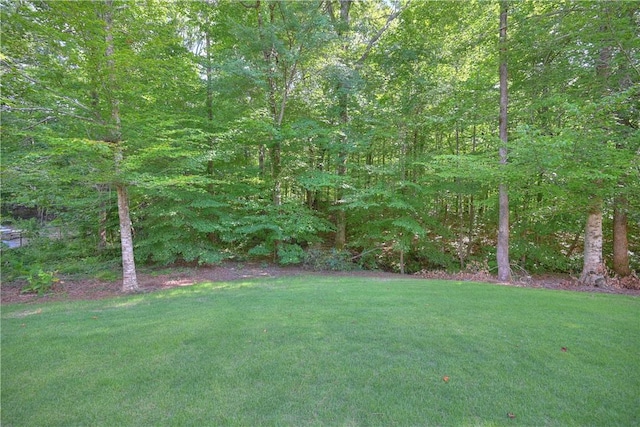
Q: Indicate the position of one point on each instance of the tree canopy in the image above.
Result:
(330, 129)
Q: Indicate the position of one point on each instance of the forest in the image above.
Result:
(385, 134)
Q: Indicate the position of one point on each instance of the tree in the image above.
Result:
(129, 277)
(86, 51)
(608, 81)
(504, 267)
(351, 59)
(258, 129)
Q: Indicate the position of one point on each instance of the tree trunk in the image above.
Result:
(209, 101)
(504, 268)
(102, 217)
(593, 270)
(276, 165)
(129, 277)
(343, 104)
(620, 240)
(341, 216)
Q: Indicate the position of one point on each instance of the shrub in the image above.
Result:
(39, 281)
(318, 259)
(290, 254)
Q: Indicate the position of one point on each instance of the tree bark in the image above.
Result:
(502, 255)
(620, 241)
(593, 270)
(129, 277)
(102, 219)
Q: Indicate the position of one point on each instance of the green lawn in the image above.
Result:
(331, 351)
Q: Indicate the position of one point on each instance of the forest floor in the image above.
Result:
(149, 281)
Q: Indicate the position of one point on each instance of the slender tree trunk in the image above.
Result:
(261, 156)
(209, 107)
(102, 219)
(593, 271)
(276, 109)
(343, 101)
(209, 101)
(129, 277)
(344, 87)
(620, 203)
(102, 231)
(504, 268)
(276, 166)
(341, 216)
(620, 240)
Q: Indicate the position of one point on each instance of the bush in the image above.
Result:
(39, 281)
(318, 259)
(290, 254)
(67, 257)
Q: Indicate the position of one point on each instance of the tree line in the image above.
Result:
(394, 134)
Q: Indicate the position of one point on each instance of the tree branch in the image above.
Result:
(53, 113)
(376, 37)
(45, 120)
(329, 8)
(248, 6)
(36, 82)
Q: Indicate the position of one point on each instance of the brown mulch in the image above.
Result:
(91, 289)
(625, 286)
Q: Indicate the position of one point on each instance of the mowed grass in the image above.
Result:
(334, 351)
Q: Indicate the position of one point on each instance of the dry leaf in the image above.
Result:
(564, 348)
(511, 415)
(445, 379)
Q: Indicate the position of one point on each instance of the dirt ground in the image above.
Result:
(90, 289)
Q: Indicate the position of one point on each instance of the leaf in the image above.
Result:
(511, 415)
(445, 379)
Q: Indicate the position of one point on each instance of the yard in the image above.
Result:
(324, 350)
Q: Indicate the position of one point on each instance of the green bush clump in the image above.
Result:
(39, 281)
(318, 259)
(290, 254)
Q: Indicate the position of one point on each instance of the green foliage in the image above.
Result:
(290, 254)
(13, 268)
(262, 227)
(70, 256)
(543, 257)
(39, 281)
(319, 259)
(388, 118)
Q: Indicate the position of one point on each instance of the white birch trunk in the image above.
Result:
(129, 276)
(593, 269)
